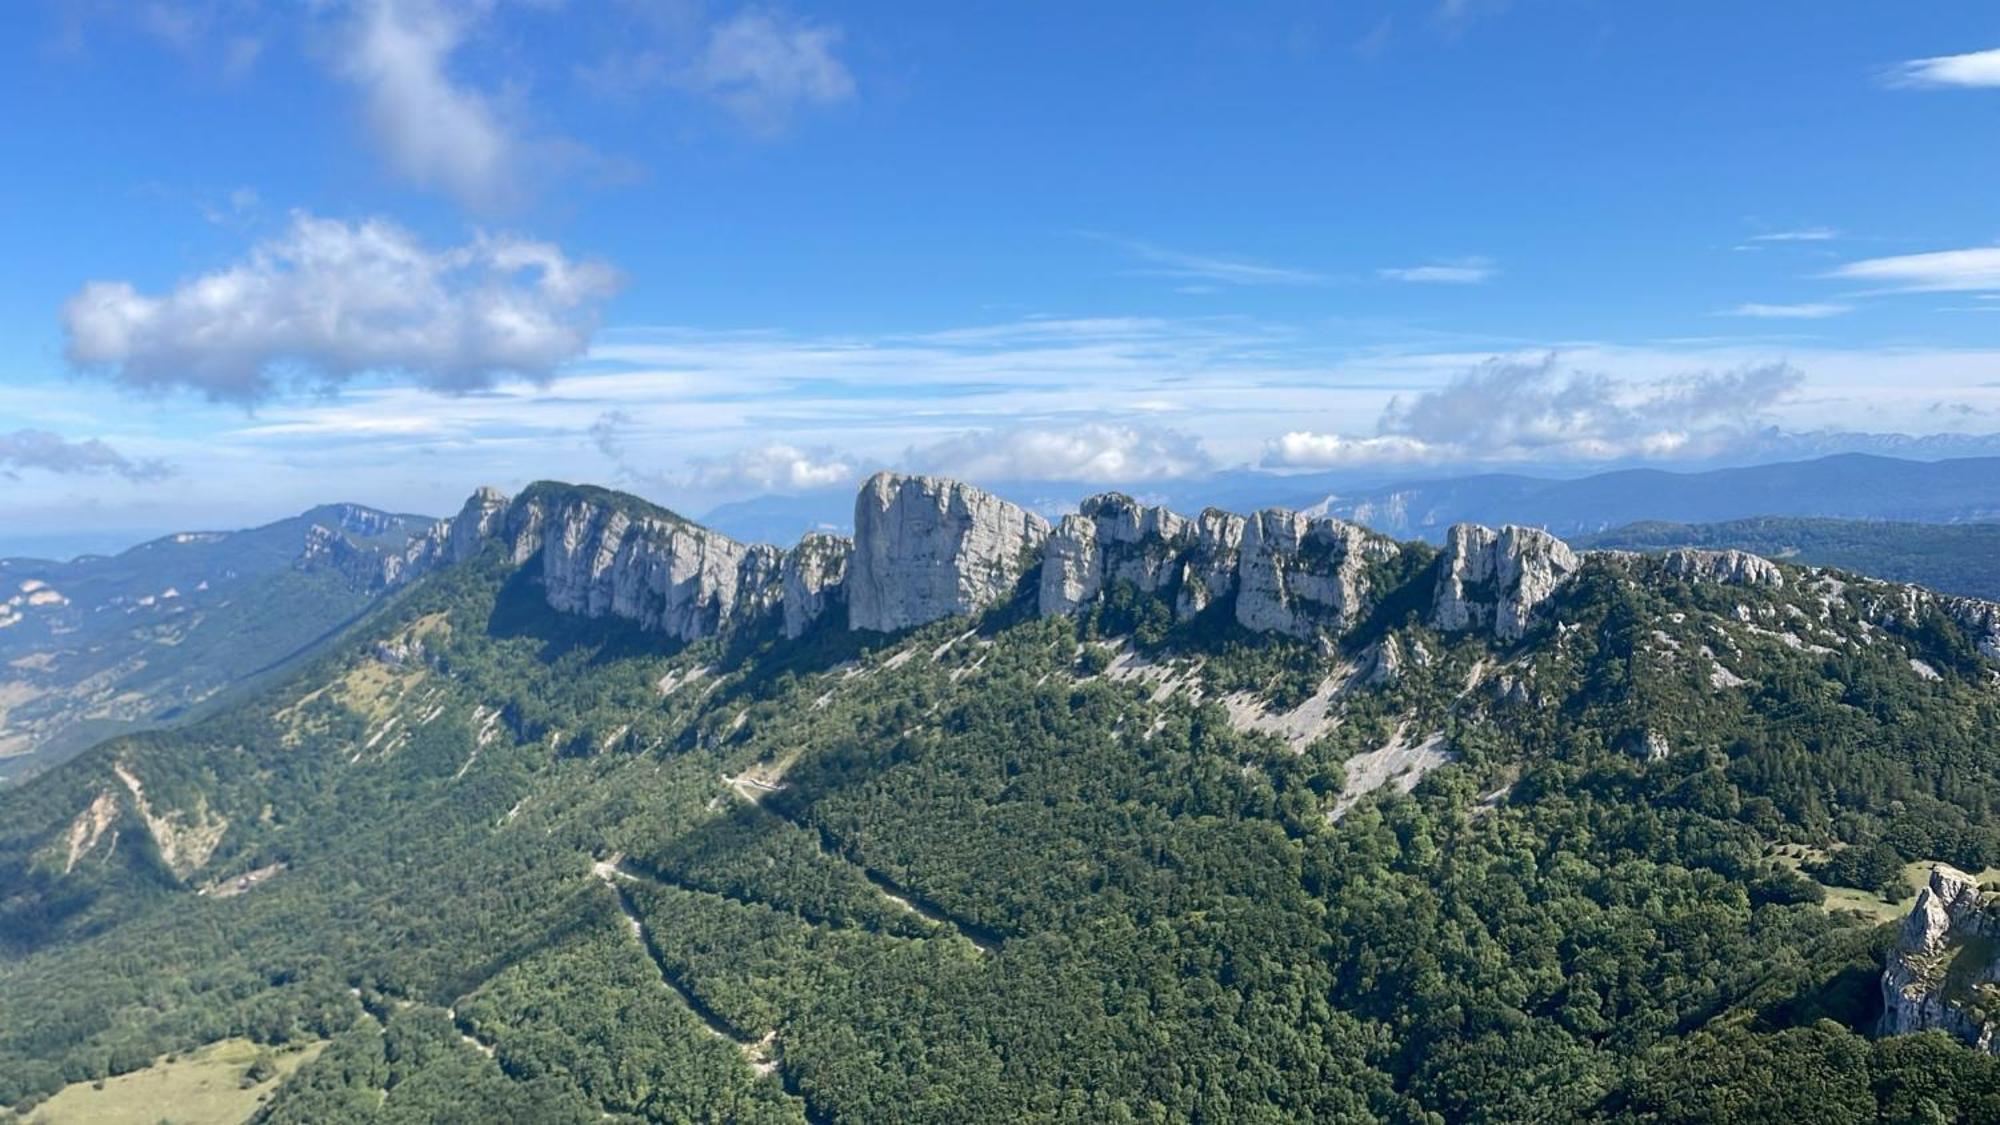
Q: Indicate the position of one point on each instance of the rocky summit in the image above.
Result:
(927, 548)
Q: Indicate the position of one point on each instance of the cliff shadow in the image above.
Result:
(521, 610)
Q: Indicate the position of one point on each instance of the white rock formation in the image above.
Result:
(1927, 983)
(1737, 568)
(926, 548)
(1496, 580)
(813, 573)
(1291, 573)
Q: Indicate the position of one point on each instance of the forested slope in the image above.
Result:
(1110, 866)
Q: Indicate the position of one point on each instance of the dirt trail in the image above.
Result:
(758, 1053)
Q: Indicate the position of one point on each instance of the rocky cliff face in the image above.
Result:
(1942, 971)
(660, 572)
(1495, 580)
(1290, 573)
(599, 554)
(814, 574)
(926, 548)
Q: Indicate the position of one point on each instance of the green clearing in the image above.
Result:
(203, 1087)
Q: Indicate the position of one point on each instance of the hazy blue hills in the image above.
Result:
(1959, 558)
(103, 644)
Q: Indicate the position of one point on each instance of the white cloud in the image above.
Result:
(437, 132)
(1941, 271)
(1094, 452)
(1465, 271)
(1504, 410)
(329, 300)
(763, 66)
(776, 467)
(1803, 234)
(1977, 68)
(1806, 311)
(1304, 449)
(52, 453)
(770, 467)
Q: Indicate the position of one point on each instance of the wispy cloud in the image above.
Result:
(1463, 271)
(1975, 69)
(53, 453)
(329, 300)
(1166, 262)
(1939, 272)
(1810, 310)
(434, 130)
(1802, 234)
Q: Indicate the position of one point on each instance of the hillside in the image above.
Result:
(101, 645)
(1953, 558)
(974, 817)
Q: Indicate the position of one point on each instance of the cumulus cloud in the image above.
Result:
(52, 453)
(772, 467)
(1811, 310)
(1938, 272)
(1095, 452)
(328, 300)
(763, 67)
(1465, 271)
(436, 131)
(1976, 68)
(776, 467)
(1510, 411)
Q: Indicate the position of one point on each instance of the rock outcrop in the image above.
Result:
(813, 574)
(1941, 973)
(926, 548)
(1291, 573)
(607, 556)
(1496, 580)
(1736, 568)
(475, 523)
(1299, 575)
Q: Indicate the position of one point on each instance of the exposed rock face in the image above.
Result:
(475, 523)
(658, 571)
(1113, 538)
(926, 548)
(1738, 568)
(1942, 967)
(1291, 573)
(1297, 574)
(1980, 619)
(1495, 580)
(813, 573)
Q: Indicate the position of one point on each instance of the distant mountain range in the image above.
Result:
(1950, 558)
(1846, 486)
(1842, 486)
(101, 645)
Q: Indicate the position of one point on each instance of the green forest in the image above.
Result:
(522, 866)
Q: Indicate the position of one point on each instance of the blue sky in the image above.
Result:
(266, 255)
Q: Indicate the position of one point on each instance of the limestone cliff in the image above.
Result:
(1942, 971)
(813, 574)
(1290, 573)
(926, 548)
(1496, 580)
